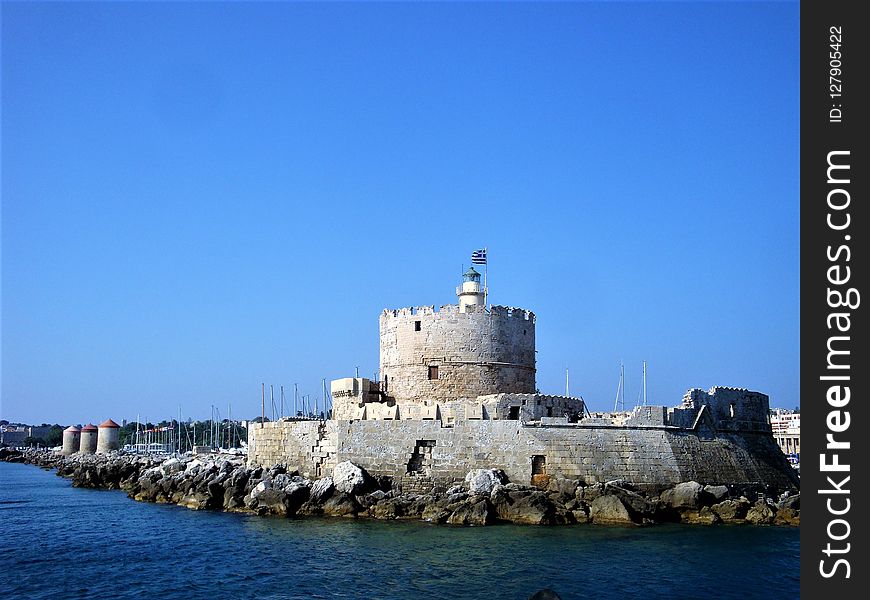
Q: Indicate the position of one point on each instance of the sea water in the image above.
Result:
(60, 541)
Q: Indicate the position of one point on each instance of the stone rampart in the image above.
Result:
(650, 457)
(305, 445)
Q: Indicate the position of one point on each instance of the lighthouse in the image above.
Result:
(469, 292)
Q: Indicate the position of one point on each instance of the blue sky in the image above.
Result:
(197, 198)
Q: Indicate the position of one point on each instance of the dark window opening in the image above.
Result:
(433, 372)
(421, 459)
(549, 411)
(539, 465)
(524, 332)
(514, 413)
(416, 325)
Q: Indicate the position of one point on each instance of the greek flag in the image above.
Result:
(478, 257)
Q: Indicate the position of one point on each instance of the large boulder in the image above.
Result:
(683, 496)
(564, 488)
(195, 501)
(523, 506)
(609, 510)
(760, 513)
(172, 466)
(341, 505)
(390, 508)
(790, 501)
(348, 478)
(718, 493)
(787, 516)
(481, 481)
(731, 510)
(639, 507)
(475, 511)
(322, 489)
(260, 489)
(271, 501)
(705, 516)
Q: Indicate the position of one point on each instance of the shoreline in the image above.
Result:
(226, 483)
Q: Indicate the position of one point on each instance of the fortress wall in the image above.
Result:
(649, 458)
(476, 352)
(731, 409)
(733, 458)
(294, 443)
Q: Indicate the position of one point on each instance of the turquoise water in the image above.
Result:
(58, 540)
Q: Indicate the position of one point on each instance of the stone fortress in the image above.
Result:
(457, 392)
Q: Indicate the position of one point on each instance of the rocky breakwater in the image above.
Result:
(485, 497)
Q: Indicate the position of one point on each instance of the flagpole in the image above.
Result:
(485, 271)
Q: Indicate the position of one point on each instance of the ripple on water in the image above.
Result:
(97, 542)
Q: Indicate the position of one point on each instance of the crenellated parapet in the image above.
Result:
(511, 312)
(722, 409)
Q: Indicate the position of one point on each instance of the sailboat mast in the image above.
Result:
(644, 383)
(618, 390)
(622, 381)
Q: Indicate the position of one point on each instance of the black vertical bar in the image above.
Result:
(834, 231)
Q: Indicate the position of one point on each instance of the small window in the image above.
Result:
(417, 327)
(524, 332)
(433, 372)
(514, 413)
(539, 465)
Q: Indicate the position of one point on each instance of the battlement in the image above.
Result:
(411, 311)
(723, 408)
(512, 312)
(496, 311)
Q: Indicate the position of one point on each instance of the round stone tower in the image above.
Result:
(108, 437)
(88, 439)
(72, 440)
(431, 356)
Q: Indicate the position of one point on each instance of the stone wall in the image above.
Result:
(304, 445)
(351, 401)
(724, 409)
(649, 457)
(475, 353)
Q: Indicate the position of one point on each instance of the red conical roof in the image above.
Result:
(110, 423)
(72, 429)
(89, 427)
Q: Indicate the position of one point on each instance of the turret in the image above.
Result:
(470, 292)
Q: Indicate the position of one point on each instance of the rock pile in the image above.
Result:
(485, 496)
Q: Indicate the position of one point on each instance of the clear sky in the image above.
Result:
(197, 198)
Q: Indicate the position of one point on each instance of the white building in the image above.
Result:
(786, 426)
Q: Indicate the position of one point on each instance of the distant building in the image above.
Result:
(786, 427)
(14, 436)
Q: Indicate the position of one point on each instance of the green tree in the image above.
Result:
(54, 437)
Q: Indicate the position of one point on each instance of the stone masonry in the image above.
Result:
(429, 355)
(651, 456)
